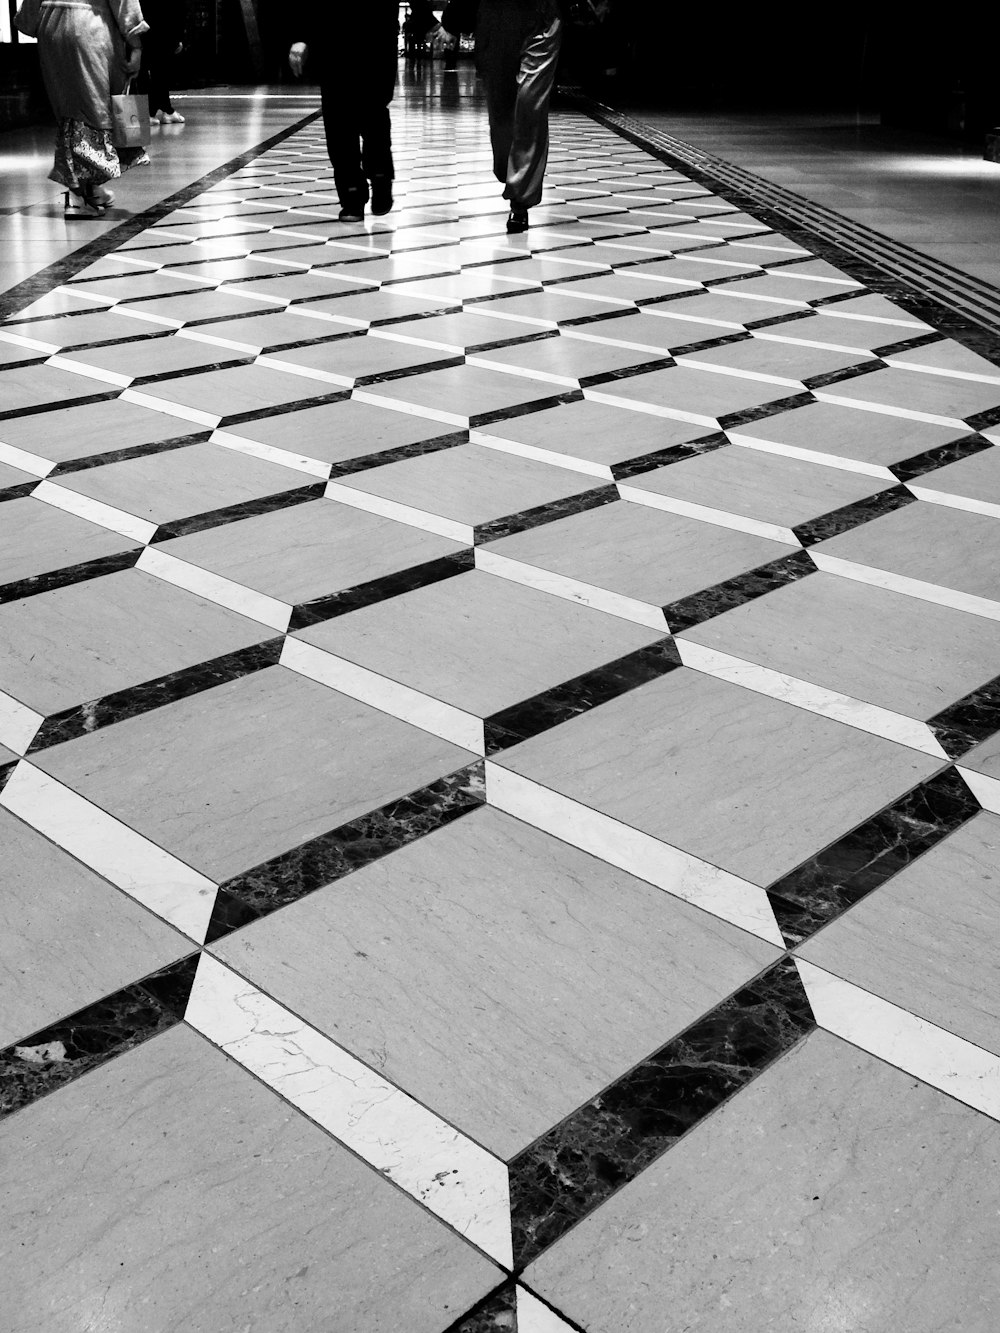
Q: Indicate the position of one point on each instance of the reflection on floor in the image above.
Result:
(501, 768)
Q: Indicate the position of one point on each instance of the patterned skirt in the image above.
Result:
(86, 156)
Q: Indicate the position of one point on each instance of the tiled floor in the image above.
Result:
(500, 766)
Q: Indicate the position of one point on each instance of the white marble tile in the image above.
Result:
(418, 518)
(224, 592)
(534, 1317)
(985, 789)
(966, 1072)
(172, 409)
(573, 590)
(950, 500)
(814, 698)
(739, 522)
(453, 1177)
(105, 516)
(402, 701)
(34, 344)
(926, 592)
(685, 876)
(810, 455)
(315, 467)
(652, 409)
(25, 461)
(18, 723)
(274, 361)
(90, 372)
(413, 409)
(168, 887)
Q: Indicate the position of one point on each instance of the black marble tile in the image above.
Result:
(968, 721)
(5, 771)
(568, 1172)
(130, 451)
(20, 364)
(294, 874)
(62, 578)
(907, 344)
(61, 406)
(404, 372)
(662, 362)
(150, 694)
(215, 518)
(853, 515)
(772, 321)
(279, 409)
(579, 695)
(849, 869)
(675, 453)
(845, 373)
(547, 513)
(496, 1314)
(379, 590)
(525, 409)
(707, 344)
(985, 420)
(44, 1061)
(772, 409)
(710, 602)
(920, 464)
(414, 450)
(838, 298)
(19, 491)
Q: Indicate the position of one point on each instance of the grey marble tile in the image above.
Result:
(76, 644)
(256, 753)
(888, 649)
(928, 542)
(36, 538)
(40, 388)
(68, 936)
(926, 939)
(92, 429)
(311, 550)
(710, 768)
(495, 973)
(157, 356)
(179, 1173)
(640, 552)
(173, 485)
(839, 1210)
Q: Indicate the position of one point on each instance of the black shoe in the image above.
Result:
(382, 200)
(352, 207)
(518, 220)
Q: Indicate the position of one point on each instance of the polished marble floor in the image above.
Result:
(500, 759)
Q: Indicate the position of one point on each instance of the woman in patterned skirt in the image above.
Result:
(88, 49)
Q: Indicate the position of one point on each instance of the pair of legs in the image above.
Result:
(156, 60)
(519, 67)
(359, 141)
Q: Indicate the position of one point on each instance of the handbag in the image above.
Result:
(130, 119)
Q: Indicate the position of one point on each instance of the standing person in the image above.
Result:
(517, 50)
(351, 50)
(164, 40)
(87, 53)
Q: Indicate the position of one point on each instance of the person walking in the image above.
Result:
(162, 43)
(87, 49)
(517, 51)
(351, 51)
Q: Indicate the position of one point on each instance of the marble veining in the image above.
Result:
(568, 1172)
(62, 578)
(826, 885)
(379, 590)
(264, 504)
(932, 459)
(136, 699)
(573, 697)
(852, 515)
(968, 721)
(496, 1314)
(288, 877)
(546, 513)
(714, 601)
(44, 1061)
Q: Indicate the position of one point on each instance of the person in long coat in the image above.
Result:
(87, 50)
(162, 43)
(517, 51)
(351, 51)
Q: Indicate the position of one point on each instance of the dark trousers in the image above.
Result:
(358, 139)
(156, 61)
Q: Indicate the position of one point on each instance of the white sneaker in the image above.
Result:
(171, 118)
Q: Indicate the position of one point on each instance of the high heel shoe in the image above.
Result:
(77, 205)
